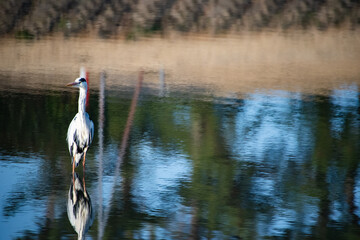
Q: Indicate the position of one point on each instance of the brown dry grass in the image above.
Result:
(310, 62)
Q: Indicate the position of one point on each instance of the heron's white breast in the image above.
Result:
(83, 128)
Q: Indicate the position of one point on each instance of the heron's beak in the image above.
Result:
(71, 84)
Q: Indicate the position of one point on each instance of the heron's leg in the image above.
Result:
(84, 182)
(73, 166)
(84, 173)
(84, 158)
(73, 180)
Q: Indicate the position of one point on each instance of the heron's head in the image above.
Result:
(78, 83)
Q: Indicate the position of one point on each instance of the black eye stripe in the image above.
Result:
(82, 80)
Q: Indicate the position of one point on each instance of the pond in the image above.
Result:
(261, 165)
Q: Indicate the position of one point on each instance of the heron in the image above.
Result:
(81, 129)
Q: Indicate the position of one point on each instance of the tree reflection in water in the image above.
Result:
(265, 165)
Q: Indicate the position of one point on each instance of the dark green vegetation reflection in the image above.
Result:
(268, 165)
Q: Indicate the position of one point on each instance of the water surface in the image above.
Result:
(266, 165)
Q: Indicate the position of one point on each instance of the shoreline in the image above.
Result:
(313, 62)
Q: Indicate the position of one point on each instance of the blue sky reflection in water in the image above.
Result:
(269, 164)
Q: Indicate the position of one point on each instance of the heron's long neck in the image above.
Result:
(82, 100)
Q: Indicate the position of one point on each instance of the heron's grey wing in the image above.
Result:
(91, 131)
(70, 134)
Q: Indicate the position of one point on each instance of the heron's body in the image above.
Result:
(81, 129)
(80, 134)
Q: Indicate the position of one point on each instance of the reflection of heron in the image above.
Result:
(79, 208)
(81, 129)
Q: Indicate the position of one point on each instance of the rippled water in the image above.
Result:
(269, 164)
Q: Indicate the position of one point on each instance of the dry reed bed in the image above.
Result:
(310, 62)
